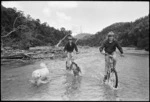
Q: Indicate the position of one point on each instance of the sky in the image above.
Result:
(82, 16)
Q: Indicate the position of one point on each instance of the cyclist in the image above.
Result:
(69, 47)
(109, 45)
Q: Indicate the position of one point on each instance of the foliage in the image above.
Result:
(27, 31)
(127, 33)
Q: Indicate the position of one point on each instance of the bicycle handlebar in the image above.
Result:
(107, 54)
(111, 55)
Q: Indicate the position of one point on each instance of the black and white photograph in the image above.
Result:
(74, 50)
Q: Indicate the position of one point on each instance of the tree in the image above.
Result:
(4, 33)
(24, 31)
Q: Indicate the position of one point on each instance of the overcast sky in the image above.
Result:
(81, 16)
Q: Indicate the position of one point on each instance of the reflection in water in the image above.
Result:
(35, 90)
(110, 94)
(72, 86)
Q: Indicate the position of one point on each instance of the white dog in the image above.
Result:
(40, 74)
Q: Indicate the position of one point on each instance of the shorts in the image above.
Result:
(70, 55)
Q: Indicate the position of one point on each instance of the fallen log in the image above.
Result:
(17, 56)
(34, 53)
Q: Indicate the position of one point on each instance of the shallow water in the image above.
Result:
(133, 72)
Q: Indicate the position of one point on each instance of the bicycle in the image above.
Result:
(112, 76)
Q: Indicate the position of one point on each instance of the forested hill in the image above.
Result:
(83, 36)
(127, 33)
(20, 31)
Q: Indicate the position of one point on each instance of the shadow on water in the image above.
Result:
(110, 94)
(105, 92)
(38, 91)
(137, 54)
(16, 63)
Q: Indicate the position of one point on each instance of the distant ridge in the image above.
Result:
(134, 33)
(83, 36)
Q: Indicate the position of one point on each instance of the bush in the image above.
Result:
(143, 43)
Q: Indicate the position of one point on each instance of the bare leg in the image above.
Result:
(106, 64)
(114, 60)
(71, 56)
(68, 59)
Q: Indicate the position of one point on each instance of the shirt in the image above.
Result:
(110, 47)
(70, 47)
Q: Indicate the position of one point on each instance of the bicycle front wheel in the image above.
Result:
(113, 78)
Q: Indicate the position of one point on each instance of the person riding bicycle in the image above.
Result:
(69, 47)
(109, 46)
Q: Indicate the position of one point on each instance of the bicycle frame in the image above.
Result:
(111, 67)
(111, 71)
(110, 63)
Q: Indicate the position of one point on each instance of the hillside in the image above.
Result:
(127, 33)
(20, 31)
(83, 36)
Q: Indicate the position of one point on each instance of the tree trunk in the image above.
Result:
(57, 45)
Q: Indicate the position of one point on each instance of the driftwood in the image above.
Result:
(57, 45)
(17, 56)
(34, 53)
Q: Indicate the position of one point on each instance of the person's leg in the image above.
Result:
(68, 59)
(106, 66)
(114, 59)
(68, 55)
(71, 55)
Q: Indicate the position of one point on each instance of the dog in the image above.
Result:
(76, 69)
(40, 75)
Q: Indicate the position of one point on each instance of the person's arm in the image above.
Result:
(119, 47)
(102, 47)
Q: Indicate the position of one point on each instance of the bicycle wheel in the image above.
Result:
(113, 79)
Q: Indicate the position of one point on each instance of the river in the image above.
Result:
(133, 73)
